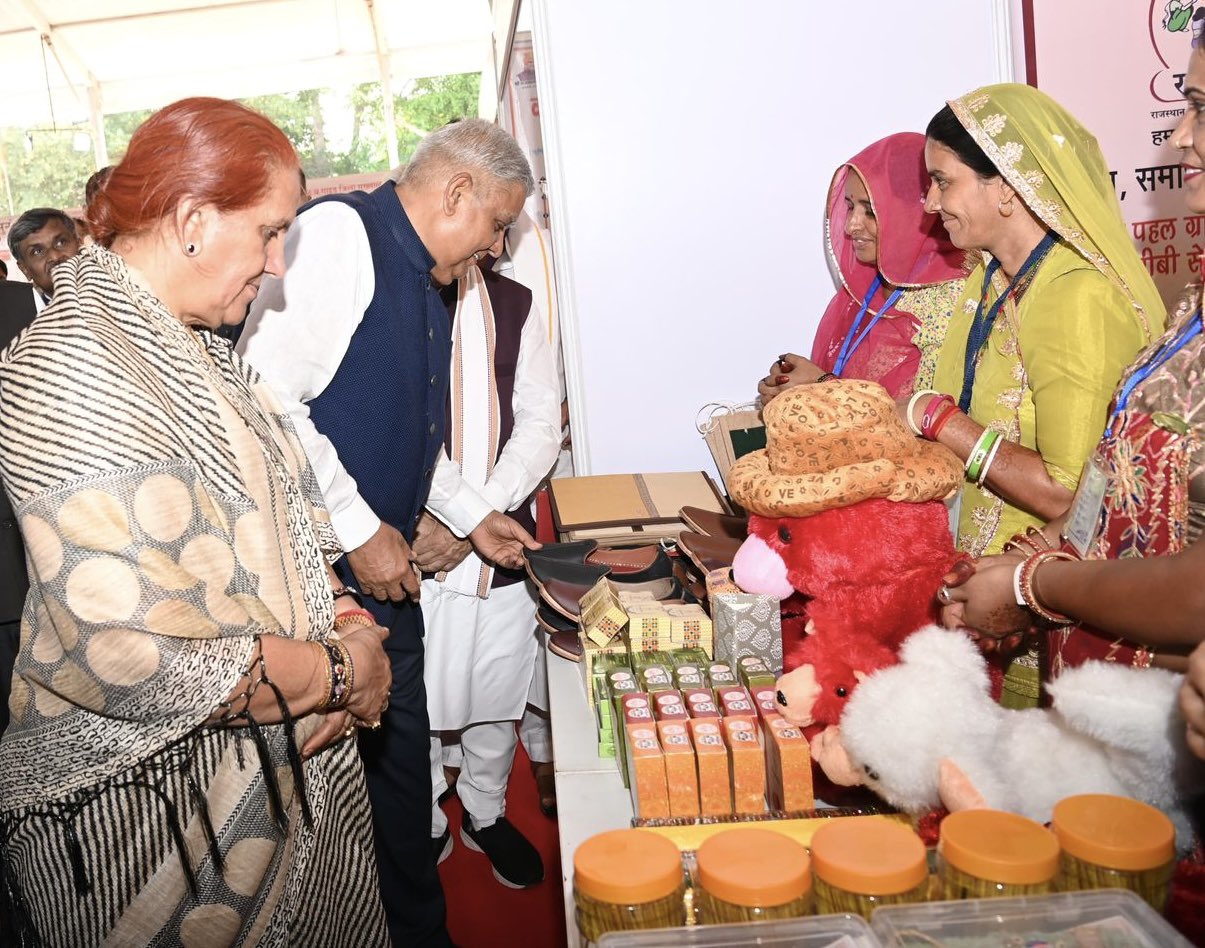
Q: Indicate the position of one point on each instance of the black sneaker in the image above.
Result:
(441, 846)
(515, 862)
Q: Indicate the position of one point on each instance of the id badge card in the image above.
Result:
(1083, 523)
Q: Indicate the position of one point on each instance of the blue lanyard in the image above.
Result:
(1152, 365)
(850, 345)
(981, 327)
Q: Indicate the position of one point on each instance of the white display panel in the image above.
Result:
(689, 147)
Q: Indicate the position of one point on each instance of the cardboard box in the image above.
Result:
(788, 766)
(681, 771)
(656, 678)
(614, 654)
(747, 624)
(646, 767)
(700, 703)
(668, 706)
(631, 707)
(747, 764)
(719, 581)
(602, 616)
(711, 758)
(765, 699)
(754, 672)
(690, 676)
(690, 627)
(735, 702)
(648, 626)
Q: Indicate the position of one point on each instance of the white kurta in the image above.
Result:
(480, 654)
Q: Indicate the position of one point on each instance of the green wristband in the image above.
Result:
(979, 453)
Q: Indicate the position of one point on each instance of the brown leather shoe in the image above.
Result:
(714, 524)
(708, 553)
(566, 644)
(551, 621)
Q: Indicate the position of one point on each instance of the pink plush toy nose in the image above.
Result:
(758, 569)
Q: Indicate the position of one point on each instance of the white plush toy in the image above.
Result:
(925, 733)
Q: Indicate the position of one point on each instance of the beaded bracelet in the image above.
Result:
(987, 462)
(912, 403)
(341, 675)
(980, 452)
(935, 409)
(1024, 583)
(354, 617)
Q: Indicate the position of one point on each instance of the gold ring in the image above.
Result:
(375, 725)
(349, 732)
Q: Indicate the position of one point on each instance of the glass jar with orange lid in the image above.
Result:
(986, 853)
(862, 862)
(750, 875)
(1111, 842)
(627, 880)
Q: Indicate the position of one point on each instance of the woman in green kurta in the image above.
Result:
(1033, 356)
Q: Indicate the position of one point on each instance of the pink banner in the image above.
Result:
(1118, 66)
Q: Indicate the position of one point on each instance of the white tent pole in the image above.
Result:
(100, 147)
(54, 39)
(386, 70)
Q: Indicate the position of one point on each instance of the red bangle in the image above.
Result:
(932, 411)
(942, 419)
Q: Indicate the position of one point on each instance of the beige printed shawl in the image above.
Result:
(170, 516)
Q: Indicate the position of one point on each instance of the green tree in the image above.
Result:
(44, 169)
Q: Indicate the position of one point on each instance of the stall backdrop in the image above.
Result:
(1118, 65)
(688, 148)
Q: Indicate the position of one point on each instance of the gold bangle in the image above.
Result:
(324, 662)
(355, 617)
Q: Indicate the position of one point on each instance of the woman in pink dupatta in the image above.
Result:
(900, 276)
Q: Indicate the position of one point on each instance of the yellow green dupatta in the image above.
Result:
(1048, 370)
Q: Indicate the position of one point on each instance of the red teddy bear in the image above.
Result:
(867, 574)
(847, 524)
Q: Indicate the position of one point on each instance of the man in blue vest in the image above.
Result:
(356, 342)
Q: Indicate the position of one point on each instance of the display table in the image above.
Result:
(590, 797)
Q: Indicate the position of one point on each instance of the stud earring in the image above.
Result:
(190, 249)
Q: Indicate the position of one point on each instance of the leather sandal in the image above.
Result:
(566, 644)
(551, 621)
(706, 552)
(714, 524)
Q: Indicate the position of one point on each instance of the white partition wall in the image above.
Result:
(689, 147)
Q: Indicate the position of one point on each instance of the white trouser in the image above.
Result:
(484, 752)
(535, 729)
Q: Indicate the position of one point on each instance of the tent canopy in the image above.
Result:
(66, 61)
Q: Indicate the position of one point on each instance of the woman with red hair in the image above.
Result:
(177, 769)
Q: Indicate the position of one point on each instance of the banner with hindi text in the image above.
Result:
(1118, 66)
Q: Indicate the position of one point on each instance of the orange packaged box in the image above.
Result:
(765, 699)
(711, 757)
(668, 706)
(681, 773)
(646, 770)
(747, 765)
(700, 703)
(788, 765)
(735, 702)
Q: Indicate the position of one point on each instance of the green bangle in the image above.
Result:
(979, 453)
